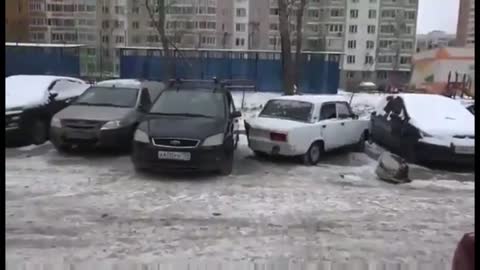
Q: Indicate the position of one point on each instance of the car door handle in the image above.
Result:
(324, 126)
(343, 124)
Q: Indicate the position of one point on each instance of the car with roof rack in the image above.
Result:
(105, 115)
(191, 126)
(305, 126)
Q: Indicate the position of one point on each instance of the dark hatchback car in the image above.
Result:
(30, 103)
(424, 128)
(188, 128)
(106, 115)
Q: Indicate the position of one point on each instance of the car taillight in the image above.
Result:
(278, 137)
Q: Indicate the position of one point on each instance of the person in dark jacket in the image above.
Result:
(464, 258)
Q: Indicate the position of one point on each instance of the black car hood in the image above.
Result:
(184, 127)
(99, 113)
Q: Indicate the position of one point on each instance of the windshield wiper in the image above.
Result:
(184, 114)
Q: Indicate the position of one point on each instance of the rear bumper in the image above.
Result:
(113, 138)
(273, 148)
(145, 156)
(442, 154)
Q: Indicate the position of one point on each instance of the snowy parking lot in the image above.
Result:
(89, 207)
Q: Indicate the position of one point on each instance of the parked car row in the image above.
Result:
(194, 125)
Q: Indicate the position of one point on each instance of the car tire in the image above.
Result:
(39, 132)
(227, 166)
(360, 145)
(312, 156)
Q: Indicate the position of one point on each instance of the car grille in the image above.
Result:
(11, 119)
(175, 142)
(82, 124)
(464, 136)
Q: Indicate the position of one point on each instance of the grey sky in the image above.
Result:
(437, 15)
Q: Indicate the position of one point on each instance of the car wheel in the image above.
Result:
(227, 166)
(360, 145)
(312, 157)
(39, 132)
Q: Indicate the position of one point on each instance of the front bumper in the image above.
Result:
(112, 138)
(145, 156)
(441, 154)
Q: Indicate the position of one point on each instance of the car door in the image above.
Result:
(234, 123)
(381, 128)
(350, 134)
(331, 127)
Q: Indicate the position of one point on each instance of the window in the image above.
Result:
(105, 24)
(352, 29)
(240, 42)
(370, 44)
(336, 12)
(382, 75)
(335, 28)
(407, 45)
(328, 111)
(288, 109)
(351, 59)
(352, 44)
(354, 13)
(410, 15)
(312, 13)
(241, 12)
(373, 1)
(387, 44)
(119, 39)
(388, 29)
(136, 39)
(135, 25)
(371, 29)
(350, 74)
(342, 110)
(385, 59)
(208, 40)
(273, 26)
(388, 13)
(372, 14)
(105, 9)
(240, 27)
(105, 39)
(274, 11)
(368, 60)
(135, 10)
(404, 60)
(272, 41)
(119, 10)
(355, 1)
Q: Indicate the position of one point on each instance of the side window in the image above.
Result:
(343, 110)
(328, 111)
(145, 97)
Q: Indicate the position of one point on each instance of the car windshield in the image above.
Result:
(288, 109)
(201, 103)
(109, 96)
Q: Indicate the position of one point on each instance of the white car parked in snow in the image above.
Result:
(306, 126)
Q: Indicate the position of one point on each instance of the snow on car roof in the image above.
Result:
(438, 115)
(317, 99)
(30, 90)
(121, 83)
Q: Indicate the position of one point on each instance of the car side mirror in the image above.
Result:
(373, 114)
(53, 95)
(236, 114)
(354, 116)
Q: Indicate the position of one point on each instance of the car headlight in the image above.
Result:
(111, 125)
(140, 136)
(213, 140)
(55, 122)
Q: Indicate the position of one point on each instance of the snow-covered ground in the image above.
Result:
(91, 207)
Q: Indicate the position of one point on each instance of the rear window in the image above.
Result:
(109, 96)
(288, 109)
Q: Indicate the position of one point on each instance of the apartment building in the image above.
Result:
(434, 39)
(16, 20)
(466, 24)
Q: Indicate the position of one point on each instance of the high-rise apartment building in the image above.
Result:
(16, 21)
(434, 39)
(466, 24)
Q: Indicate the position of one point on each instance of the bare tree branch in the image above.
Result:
(299, 40)
(286, 50)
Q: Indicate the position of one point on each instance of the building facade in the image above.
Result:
(16, 21)
(466, 24)
(434, 39)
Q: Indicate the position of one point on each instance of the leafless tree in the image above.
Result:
(299, 39)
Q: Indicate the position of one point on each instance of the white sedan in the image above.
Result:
(306, 126)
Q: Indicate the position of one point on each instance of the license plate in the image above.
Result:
(81, 135)
(464, 150)
(174, 155)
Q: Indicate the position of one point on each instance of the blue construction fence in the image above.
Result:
(48, 59)
(320, 72)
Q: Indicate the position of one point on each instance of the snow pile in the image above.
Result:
(26, 91)
(120, 82)
(363, 104)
